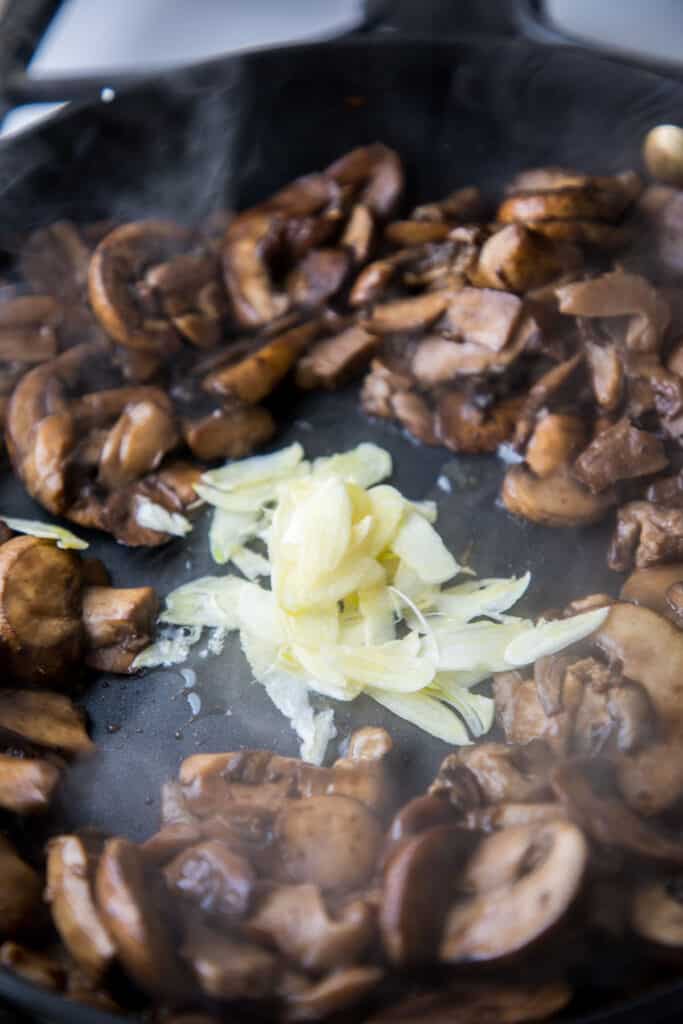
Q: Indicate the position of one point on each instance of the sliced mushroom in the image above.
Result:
(556, 439)
(403, 233)
(414, 314)
(509, 815)
(621, 452)
(462, 426)
(524, 880)
(359, 233)
(40, 603)
(556, 500)
(606, 818)
(437, 359)
(549, 386)
(295, 920)
(318, 276)
(334, 361)
(136, 444)
(620, 294)
(646, 535)
(257, 375)
(229, 968)
(649, 587)
(410, 916)
(371, 282)
(26, 784)
(70, 872)
(657, 914)
(482, 316)
(45, 719)
(213, 878)
(20, 891)
(595, 198)
(250, 241)
(330, 841)
(118, 261)
(169, 841)
(377, 171)
(117, 624)
(231, 432)
(500, 772)
(514, 259)
(132, 917)
(607, 374)
(339, 991)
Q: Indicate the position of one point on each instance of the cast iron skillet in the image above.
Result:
(229, 132)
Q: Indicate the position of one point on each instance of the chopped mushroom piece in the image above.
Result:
(556, 439)
(607, 374)
(377, 170)
(620, 294)
(407, 314)
(331, 841)
(70, 876)
(482, 316)
(371, 282)
(464, 427)
(295, 920)
(217, 881)
(40, 604)
(231, 432)
(117, 624)
(26, 784)
(318, 276)
(524, 879)
(646, 534)
(515, 259)
(403, 233)
(621, 452)
(45, 719)
(501, 772)
(359, 233)
(556, 500)
(334, 361)
(257, 375)
(650, 587)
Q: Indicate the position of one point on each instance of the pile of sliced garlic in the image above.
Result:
(356, 602)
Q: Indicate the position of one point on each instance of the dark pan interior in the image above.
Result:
(226, 134)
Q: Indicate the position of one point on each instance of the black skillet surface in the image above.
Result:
(228, 133)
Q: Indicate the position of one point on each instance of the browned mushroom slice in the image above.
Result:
(338, 991)
(410, 916)
(379, 387)
(425, 812)
(26, 784)
(295, 920)
(657, 914)
(229, 968)
(377, 170)
(546, 179)
(117, 625)
(414, 413)
(219, 882)
(504, 1004)
(231, 432)
(556, 439)
(132, 917)
(258, 374)
(318, 276)
(549, 386)
(27, 329)
(482, 316)
(20, 891)
(118, 261)
(500, 772)
(371, 282)
(521, 712)
(620, 294)
(332, 362)
(413, 314)
(331, 841)
(45, 719)
(40, 603)
(514, 259)
(250, 240)
(359, 233)
(404, 233)
(646, 534)
(169, 841)
(463, 426)
(100, 408)
(607, 819)
(556, 500)
(649, 587)
(524, 881)
(508, 815)
(70, 873)
(593, 233)
(438, 359)
(621, 452)
(136, 444)
(607, 374)
(594, 199)
(465, 204)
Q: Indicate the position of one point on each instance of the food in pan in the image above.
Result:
(544, 327)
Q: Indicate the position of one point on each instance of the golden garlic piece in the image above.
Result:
(663, 153)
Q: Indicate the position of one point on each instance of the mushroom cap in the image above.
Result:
(524, 880)
(657, 913)
(554, 500)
